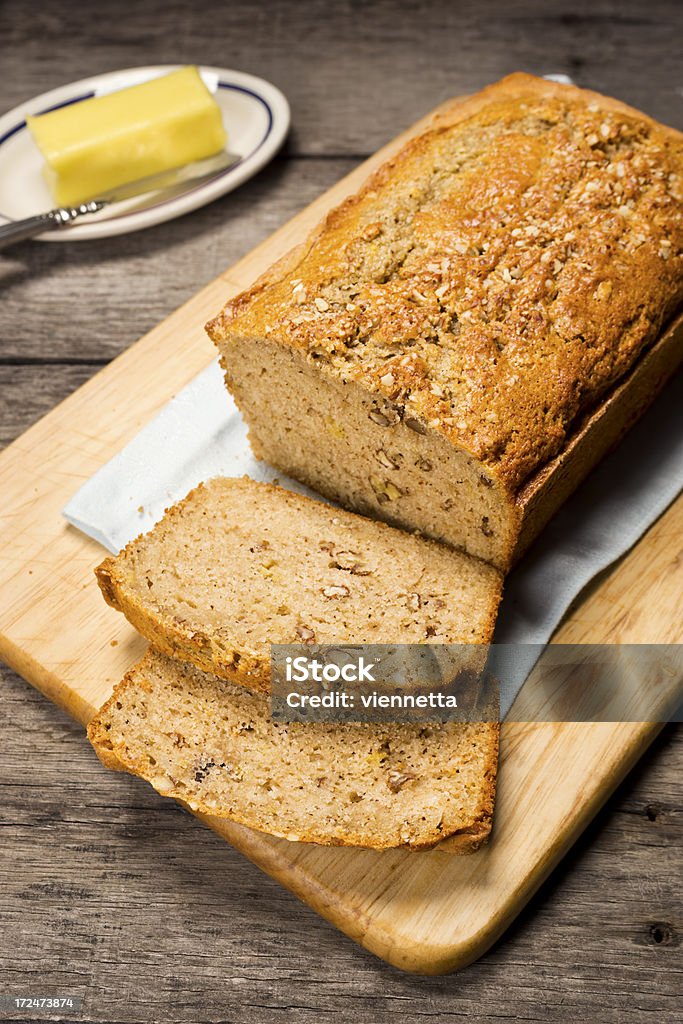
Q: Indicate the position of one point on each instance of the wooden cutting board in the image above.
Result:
(428, 912)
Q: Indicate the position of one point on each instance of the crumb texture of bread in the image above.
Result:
(438, 338)
(238, 565)
(214, 746)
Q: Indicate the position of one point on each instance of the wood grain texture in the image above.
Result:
(389, 60)
(429, 913)
(603, 935)
(113, 893)
(59, 304)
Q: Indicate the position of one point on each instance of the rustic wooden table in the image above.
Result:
(106, 890)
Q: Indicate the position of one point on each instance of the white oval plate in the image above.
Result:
(256, 118)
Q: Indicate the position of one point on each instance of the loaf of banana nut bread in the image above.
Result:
(459, 342)
(214, 746)
(237, 566)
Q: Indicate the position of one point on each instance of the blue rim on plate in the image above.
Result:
(21, 125)
(255, 111)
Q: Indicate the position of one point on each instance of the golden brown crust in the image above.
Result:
(496, 277)
(237, 664)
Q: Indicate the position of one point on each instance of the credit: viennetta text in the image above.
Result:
(343, 699)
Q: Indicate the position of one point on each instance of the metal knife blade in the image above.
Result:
(155, 188)
(176, 180)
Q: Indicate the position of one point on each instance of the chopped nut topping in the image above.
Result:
(350, 561)
(397, 780)
(387, 461)
(321, 305)
(336, 591)
(372, 231)
(415, 425)
(387, 416)
(379, 418)
(385, 490)
(603, 291)
(414, 602)
(306, 635)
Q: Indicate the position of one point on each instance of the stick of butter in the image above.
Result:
(98, 144)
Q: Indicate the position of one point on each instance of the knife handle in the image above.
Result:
(29, 227)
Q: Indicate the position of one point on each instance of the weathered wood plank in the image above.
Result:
(356, 74)
(28, 392)
(111, 892)
(91, 300)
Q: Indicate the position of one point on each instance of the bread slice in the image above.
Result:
(439, 352)
(214, 746)
(237, 566)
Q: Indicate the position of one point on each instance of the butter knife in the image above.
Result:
(166, 185)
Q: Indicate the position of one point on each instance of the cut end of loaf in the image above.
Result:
(365, 452)
(214, 747)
